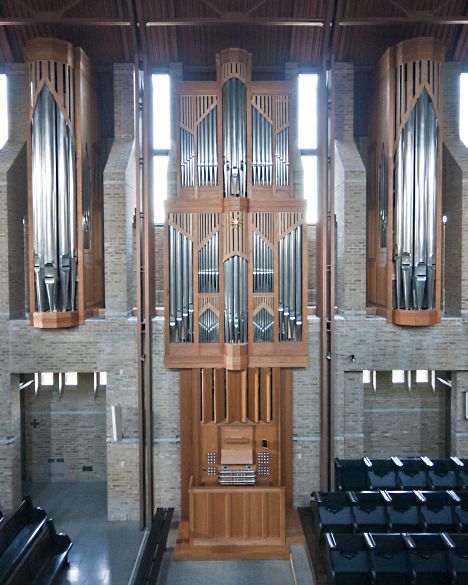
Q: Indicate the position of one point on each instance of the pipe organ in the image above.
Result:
(235, 296)
(65, 202)
(235, 237)
(405, 200)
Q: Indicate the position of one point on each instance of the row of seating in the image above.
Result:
(150, 561)
(397, 559)
(390, 511)
(31, 551)
(411, 473)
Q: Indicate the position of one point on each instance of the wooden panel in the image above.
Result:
(219, 395)
(207, 395)
(221, 516)
(186, 438)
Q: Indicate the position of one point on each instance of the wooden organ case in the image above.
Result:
(235, 301)
(404, 193)
(65, 195)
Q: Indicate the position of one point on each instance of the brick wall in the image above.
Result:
(65, 434)
(402, 422)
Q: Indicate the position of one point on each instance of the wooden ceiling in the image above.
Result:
(192, 31)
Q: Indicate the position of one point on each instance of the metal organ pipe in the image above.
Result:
(234, 138)
(54, 206)
(415, 208)
(290, 286)
(235, 300)
(207, 149)
(180, 287)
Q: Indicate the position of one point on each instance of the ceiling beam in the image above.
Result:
(424, 18)
(52, 18)
(236, 18)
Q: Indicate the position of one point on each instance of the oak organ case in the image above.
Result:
(235, 300)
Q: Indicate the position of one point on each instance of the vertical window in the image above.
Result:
(308, 139)
(463, 113)
(4, 109)
(366, 377)
(161, 140)
(102, 378)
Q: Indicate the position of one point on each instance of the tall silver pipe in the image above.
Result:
(420, 204)
(63, 210)
(431, 203)
(72, 220)
(298, 233)
(408, 209)
(234, 138)
(172, 284)
(398, 221)
(281, 288)
(38, 203)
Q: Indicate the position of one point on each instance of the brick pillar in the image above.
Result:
(119, 200)
(350, 201)
(454, 196)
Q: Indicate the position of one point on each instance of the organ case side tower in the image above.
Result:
(65, 197)
(404, 197)
(235, 273)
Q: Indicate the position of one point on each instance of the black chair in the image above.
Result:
(412, 474)
(457, 552)
(443, 475)
(334, 512)
(381, 474)
(388, 558)
(438, 512)
(461, 510)
(369, 511)
(348, 560)
(17, 534)
(350, 475)
(403, 511)
(48, 555)
(428, 559)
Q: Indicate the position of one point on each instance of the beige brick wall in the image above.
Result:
(70, 426)
(399, 422)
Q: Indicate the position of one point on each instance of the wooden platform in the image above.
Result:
(185, 552)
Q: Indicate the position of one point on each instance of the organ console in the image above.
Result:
(235, 274)
(404, 197)
(65, 199)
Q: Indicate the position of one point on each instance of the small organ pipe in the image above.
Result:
(290, 286)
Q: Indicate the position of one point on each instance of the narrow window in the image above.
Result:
(161, 140)
(463, 112)
(308, 140)
(4, 110)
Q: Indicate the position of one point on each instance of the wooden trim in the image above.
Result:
(58, 320)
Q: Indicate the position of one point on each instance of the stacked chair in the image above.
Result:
(31, 551)
(395, 521)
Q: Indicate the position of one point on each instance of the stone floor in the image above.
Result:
(225, 572)
(103, 552)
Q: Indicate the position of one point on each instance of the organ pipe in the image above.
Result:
(234, 138)
(290, 286)
(235, 300)
(180, 286)
(415, 208)
(54, 206)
